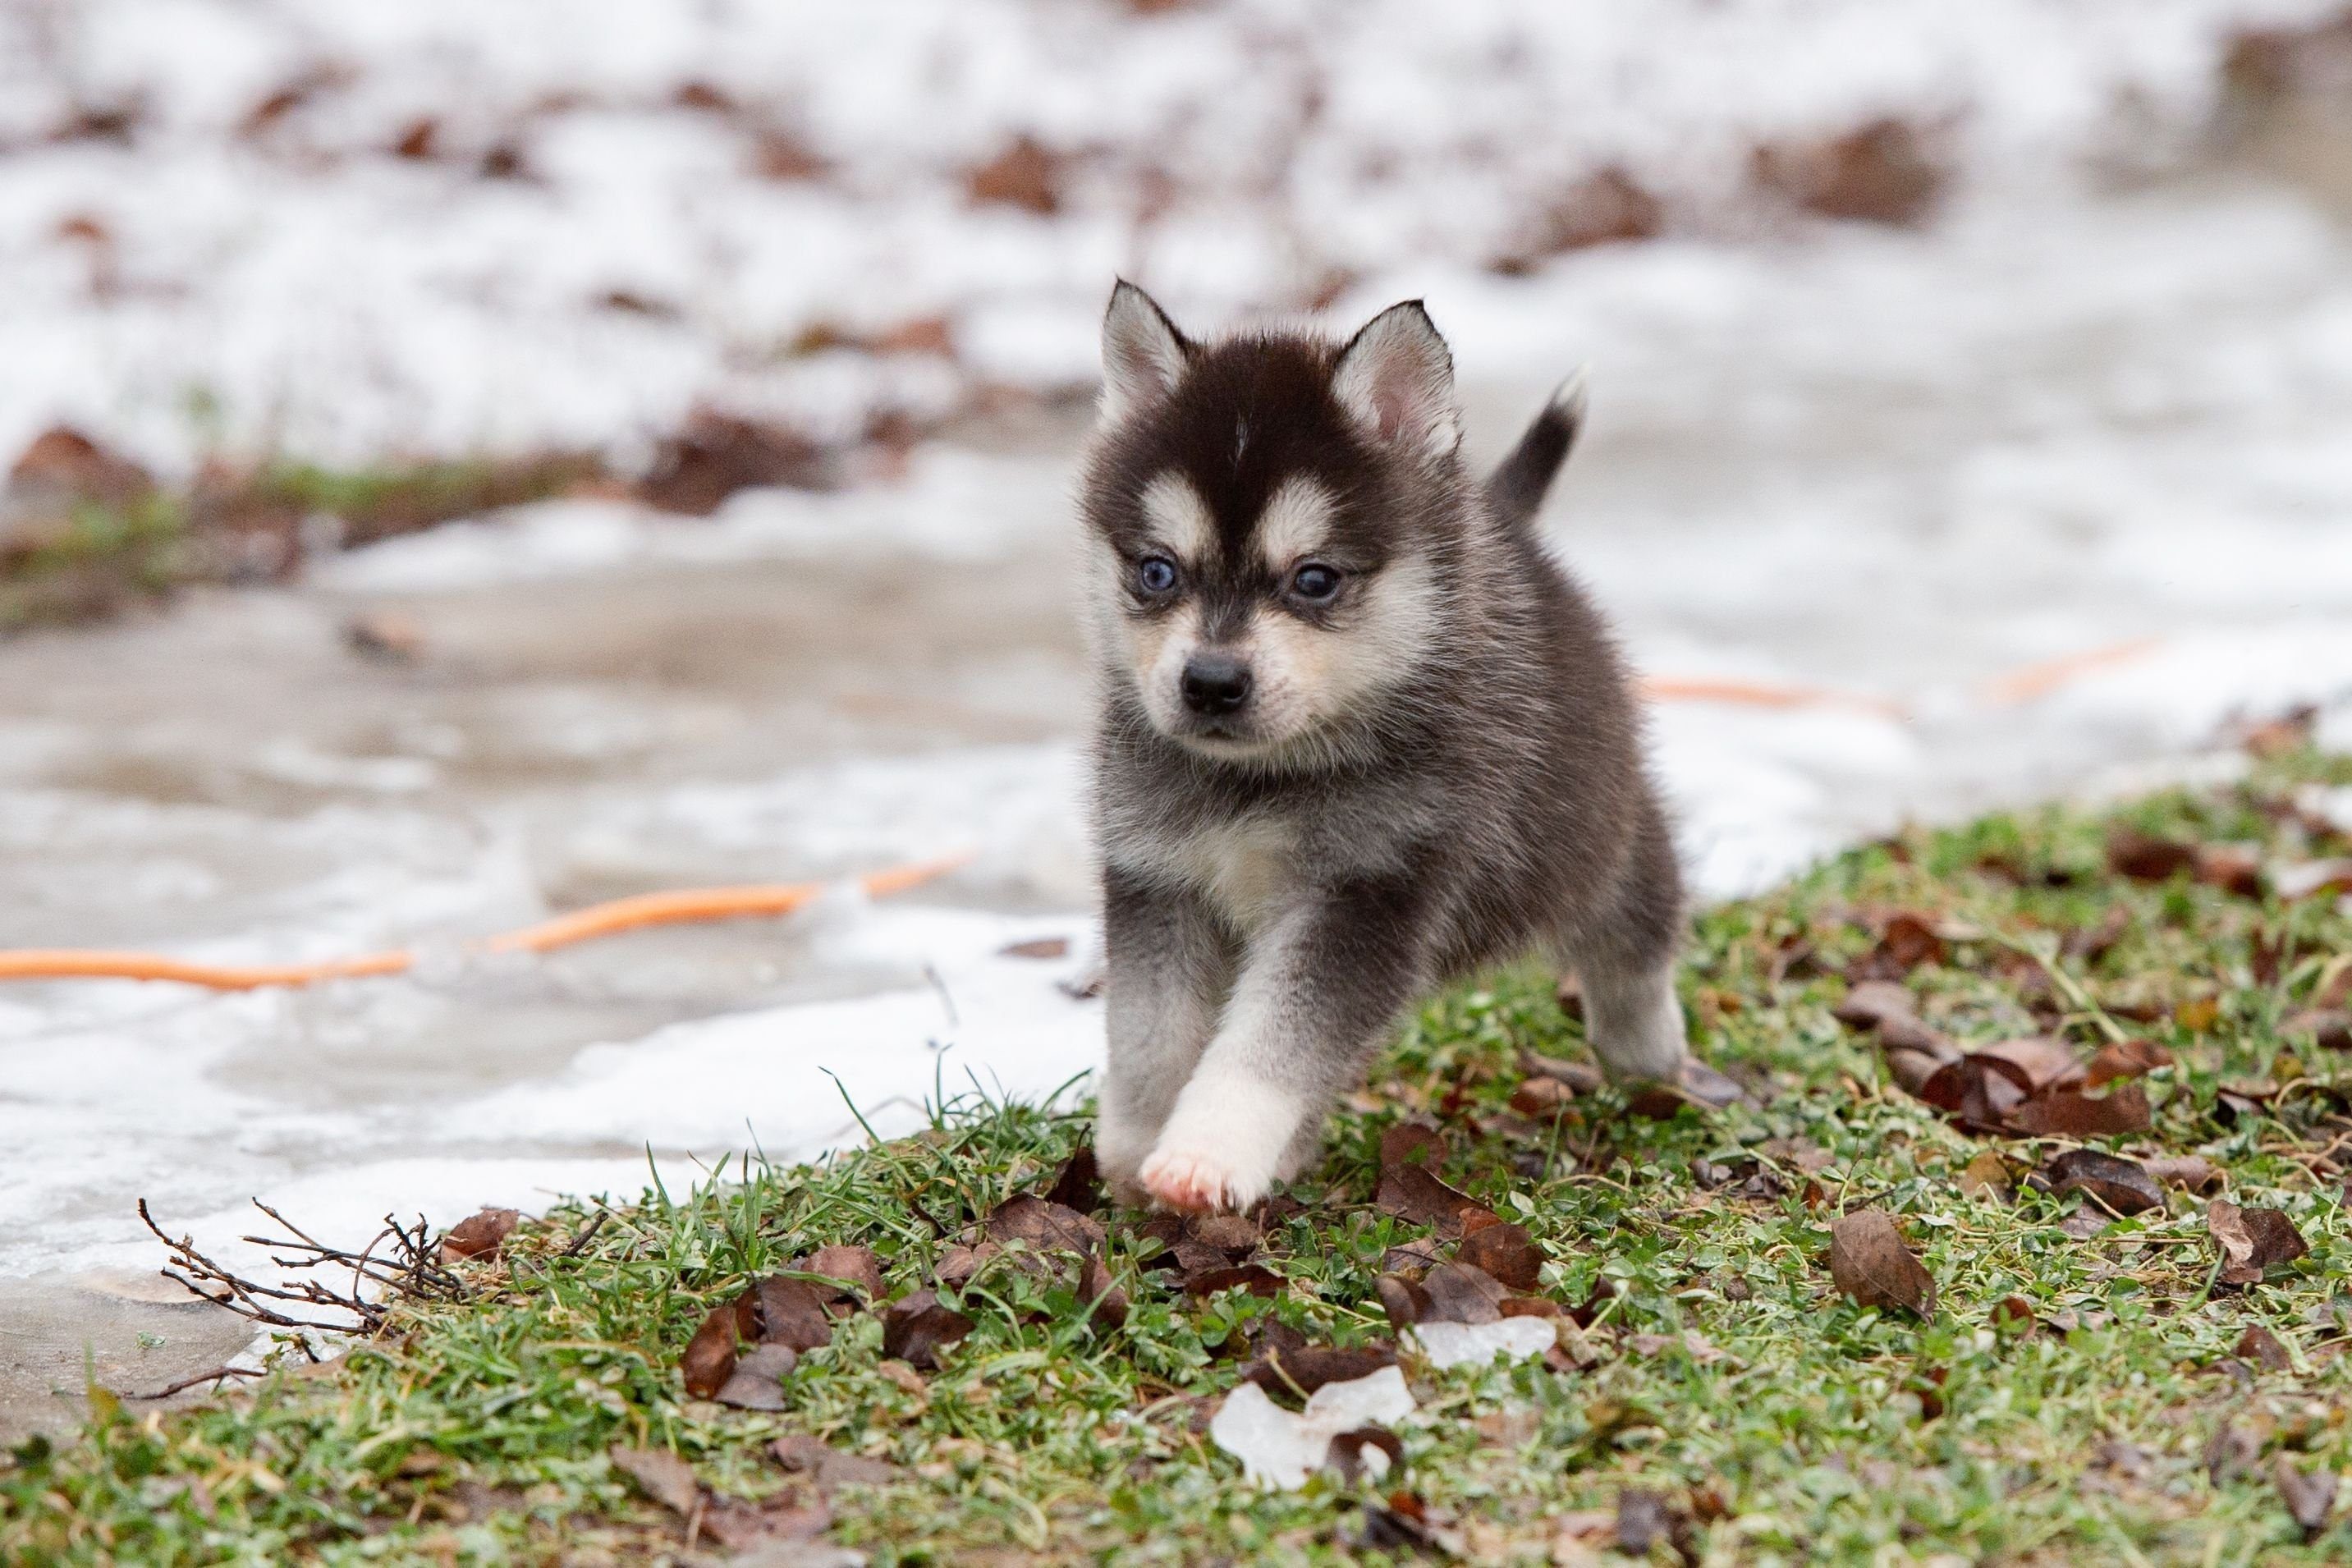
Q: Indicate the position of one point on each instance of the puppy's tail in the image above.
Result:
(1516, 488)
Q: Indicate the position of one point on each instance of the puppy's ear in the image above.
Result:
(1143, 353)
(1397, 377)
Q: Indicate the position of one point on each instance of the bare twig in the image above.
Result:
(216, 1375)
(588, 1234)
(410, 1269)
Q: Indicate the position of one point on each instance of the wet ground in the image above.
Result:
(1887, 466)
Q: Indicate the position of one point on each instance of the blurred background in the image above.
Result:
(464, 462)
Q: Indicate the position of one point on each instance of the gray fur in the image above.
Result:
(1438, 767)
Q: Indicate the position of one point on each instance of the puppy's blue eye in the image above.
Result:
(1312, 582)
(1155, 575)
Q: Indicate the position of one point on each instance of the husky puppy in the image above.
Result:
(1356, 735)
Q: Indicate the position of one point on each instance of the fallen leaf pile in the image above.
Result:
(1481, 1303)
(779, 1317)
(2033, 1087)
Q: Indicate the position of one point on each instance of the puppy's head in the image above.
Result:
(1264, 518)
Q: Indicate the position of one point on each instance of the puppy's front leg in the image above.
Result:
(1317, 991)
(1168, 966)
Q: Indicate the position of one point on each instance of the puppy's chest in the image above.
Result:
(1248, 869)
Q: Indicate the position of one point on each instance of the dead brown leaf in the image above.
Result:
(1079, 1184)
(1405, 1300)
(1303, 1369)
(1873, 1002)
(745, 1527)
(2069, 1114)
(1977, 1091)
(1871, 1265)
(2251, 1240)
(481, 1235)
(2045, 1063)
(64, 465)
(1254, 1277)
(1036, 947)
(2120, 1185)
(1599, 208)
(1906, 940)
(830, 1465)
(2120, 1059)
(1044, 1225)
(1986, 1175)
(1410, 1193)
(1645, 1518)
(1880, 172)
(755, 1384)
(2233, 868)
(2309, 1495)
(1411, 1144)
(1346, 1453)
(857, 1267)
(915, 1328)
(1542, 1097)
(2230, 1452)
(794, 1312)
(959, 1263)
(2263, 1348)
(2145, 858)
(708, 1359)
(1462, 1293)
(418, 141)
(716, 454)
(661, 1476)
(1025, 174)
(1107, 1302)
(1507, 1252)
(1234, 1235)
(2190, 1172)
(1579, 1078)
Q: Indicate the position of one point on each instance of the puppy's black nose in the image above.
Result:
(1215, 683)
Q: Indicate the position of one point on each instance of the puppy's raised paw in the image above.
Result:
(1201, 1180)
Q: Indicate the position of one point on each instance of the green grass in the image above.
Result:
(102, 556)
(1730, 1376)
(96, 558)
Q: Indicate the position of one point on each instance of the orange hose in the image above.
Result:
(83, 963)
(1755, 694)
(691, 904)
(2030, 682)
(694, 904)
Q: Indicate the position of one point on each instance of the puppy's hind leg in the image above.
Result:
(1168, 968)
(1625, 961)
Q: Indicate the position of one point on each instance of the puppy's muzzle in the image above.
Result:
(1215, 685)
